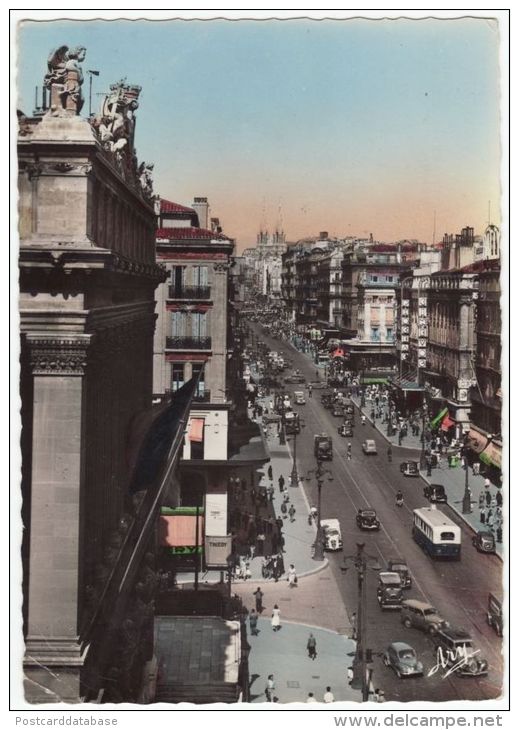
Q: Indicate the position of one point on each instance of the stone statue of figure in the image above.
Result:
(65, 78)
(116, 122)
(145, 178)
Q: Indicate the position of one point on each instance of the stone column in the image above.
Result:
(54, 656)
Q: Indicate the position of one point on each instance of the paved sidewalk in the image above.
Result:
(283, 654)
(452, 478)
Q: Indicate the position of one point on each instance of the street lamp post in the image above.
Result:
(319, 472)
(294, 476)
(363, 656)
(282, 432)
(466, 505)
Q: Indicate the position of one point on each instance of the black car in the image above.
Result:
(295, 379)
(410, 468)
(484, 542)
(345, 430)
(454, 649)
(435, 493)
(338, 411)
(367, 519)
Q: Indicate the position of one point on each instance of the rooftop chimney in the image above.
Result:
(323, 236)
(201, 206)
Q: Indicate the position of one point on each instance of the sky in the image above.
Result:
(353, 126)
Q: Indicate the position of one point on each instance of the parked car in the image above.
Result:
(345, 430)
(338, 410)
(454, 648)
(402, 658)
(435, 493)
(398, 565)
(369, 446)
(422, 616)
(389, 590)
(484, 542)
(367, 519)
(495, 614)
(410, 468)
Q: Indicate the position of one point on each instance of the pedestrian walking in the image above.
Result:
(292, 513)
(328, 696)
(258, 596)
(275, 621)
(311, 647)
(487, 483)
(269, 689)
(292, 577)
(270, 493)
(311, 697)
(269, 472)
(281, 482)
(284, 509)
(363, 419)
(488, 497)
(354, 626)
(253, 623)
(286, 497)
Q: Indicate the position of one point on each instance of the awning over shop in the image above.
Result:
(492, 455)
(196, 430)
(476, 440)
(405, 383)
(447, 423)
(437, 419)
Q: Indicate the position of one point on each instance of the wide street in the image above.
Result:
(459, 590)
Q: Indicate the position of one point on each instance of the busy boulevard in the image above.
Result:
(458, 589)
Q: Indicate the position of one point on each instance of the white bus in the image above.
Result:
(436, 533)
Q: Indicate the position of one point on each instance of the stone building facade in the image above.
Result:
(87, 282)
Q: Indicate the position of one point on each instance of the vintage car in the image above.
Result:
(345, 430)
(389, 590)
(410, 468)
(299, 398)
(484, 542)
(398, 565)
(495, 614)
(367, 519)
(435, 493)
(295, 378)
(421, 615)
(338, 410)
(455, 649)
(369, 446)
(332, 534)
(402, 658)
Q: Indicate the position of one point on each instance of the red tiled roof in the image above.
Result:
(191, 234)
(167, 206)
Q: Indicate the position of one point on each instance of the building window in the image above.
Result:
(199, 324)
(389, 333)
(199, 275)
(199, 368)
(179, 324)
(177, 375)
(374, 279)
(375, 336)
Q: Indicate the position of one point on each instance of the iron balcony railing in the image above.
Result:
(188, 343)
(189, 292)
(203, 396)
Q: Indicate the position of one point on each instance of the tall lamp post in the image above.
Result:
(294, 476)
(282, 432)
(319, 473)
(363, 656)
(466, 505)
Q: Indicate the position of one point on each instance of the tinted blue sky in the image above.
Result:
(352, 126)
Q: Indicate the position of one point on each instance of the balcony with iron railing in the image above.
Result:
(188, 343)
(189, 292)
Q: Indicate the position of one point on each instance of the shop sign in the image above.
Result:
(492, 455)
(217, 551)
(185, 550)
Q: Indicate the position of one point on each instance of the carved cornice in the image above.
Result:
(55, 167)
(55, 355)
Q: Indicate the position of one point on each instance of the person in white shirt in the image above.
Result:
(311, 697)
(328, 695)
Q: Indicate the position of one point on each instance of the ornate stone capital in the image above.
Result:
(55, 355)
